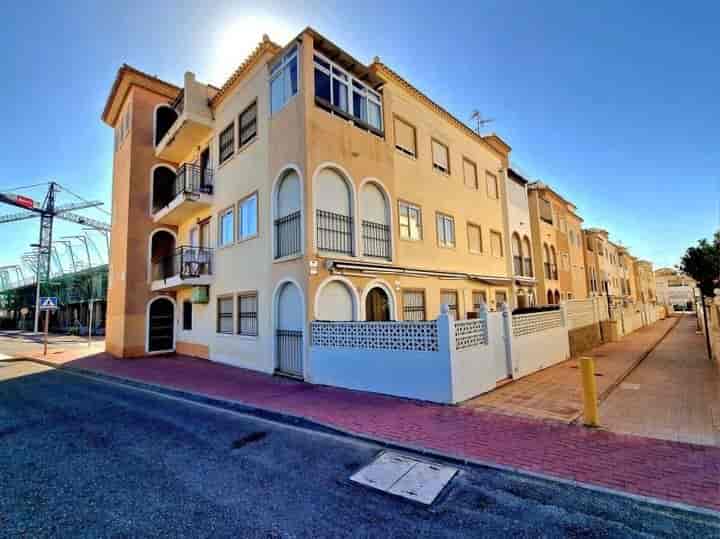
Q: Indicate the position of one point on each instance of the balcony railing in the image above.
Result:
(517, 265)
(190, 179)
(528, 267)
(288, 235)
(376, 240)
(334, 232)
(186, 262)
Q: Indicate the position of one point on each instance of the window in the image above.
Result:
(546, 213)
(410, 221)
(445, 230)
(470, 174)
(247, 217)
(414, 305)
(187, 316)
(479, 298)
(450, 298)
(474, 238)
(440, 157)
(346, 94)
(405, 139)
(247, 314)
(225, 315)
(283, 80)
(227, 143)
(225, 227)
(496, 247)
(248, 124)
(492, 185)
(500, 299)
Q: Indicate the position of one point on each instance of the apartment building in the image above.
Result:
(645, 282)
(520, 231)
(557, 243)
(674, 288)
(309, 186)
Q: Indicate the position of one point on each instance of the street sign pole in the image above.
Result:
(47, 324)
(90, 324)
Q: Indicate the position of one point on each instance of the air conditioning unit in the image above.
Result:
(200, 294)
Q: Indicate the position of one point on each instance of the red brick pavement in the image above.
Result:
(662, 469)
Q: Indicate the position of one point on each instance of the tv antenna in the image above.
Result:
(480, 122)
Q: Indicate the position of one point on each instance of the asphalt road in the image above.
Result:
(83, 458)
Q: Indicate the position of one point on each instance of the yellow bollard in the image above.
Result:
(587, 367)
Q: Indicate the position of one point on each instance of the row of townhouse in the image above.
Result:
(313, 187)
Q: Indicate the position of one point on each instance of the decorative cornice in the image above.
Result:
(266, 45)
(388, 74)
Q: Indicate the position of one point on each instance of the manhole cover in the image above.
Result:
(404, 476)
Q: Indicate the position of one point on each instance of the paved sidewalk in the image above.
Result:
(556, 393)
(674, 394)
(662, 469)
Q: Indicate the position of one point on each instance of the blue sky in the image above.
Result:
(614, 104)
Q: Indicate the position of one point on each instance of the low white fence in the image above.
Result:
(442, 360)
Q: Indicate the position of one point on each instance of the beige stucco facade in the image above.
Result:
(279, 162)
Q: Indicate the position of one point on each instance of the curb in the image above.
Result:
(328, 428)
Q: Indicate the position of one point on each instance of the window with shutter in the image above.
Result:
(405, 139)
(248, 124)
(445, 230)
(440, 157)
(492, 185)
(474, 238)
(450, 298)
(414, 305)
(496, 248)
(470, 174)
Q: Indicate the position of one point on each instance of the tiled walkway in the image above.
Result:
(674, 394)
(663, 469)
(555, 393)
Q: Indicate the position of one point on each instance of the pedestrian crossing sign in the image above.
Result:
(48, 303)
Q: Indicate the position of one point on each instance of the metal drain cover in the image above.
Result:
(404, 476)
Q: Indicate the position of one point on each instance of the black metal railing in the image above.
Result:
(376, 240)
(334, 232)
(179, 103)
(517, 265)
(185, 262)
(190, 179)
(528, 267)
(288, 235)
(288, 347)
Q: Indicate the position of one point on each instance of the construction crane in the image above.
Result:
(47, 212)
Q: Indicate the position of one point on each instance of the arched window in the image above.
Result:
(550, 297)
(517, 254)
(557, 297)
(163, 187)
(162, 249)
(165, 117)
(375, 222)
(288, 216)
(553, 262)
(335, 302)
(546, 261)
(334, 216)
(527, 262)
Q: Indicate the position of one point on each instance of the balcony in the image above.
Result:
(334, 232)
(185, 267)
(192, 126)
(176, 199)
(376, 240)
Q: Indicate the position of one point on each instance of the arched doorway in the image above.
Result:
(377, 305)
(163, 187)
(165, 117)
(289, 330)
(162, 248)
(161, 325)
(557, 297)
(550, 297)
